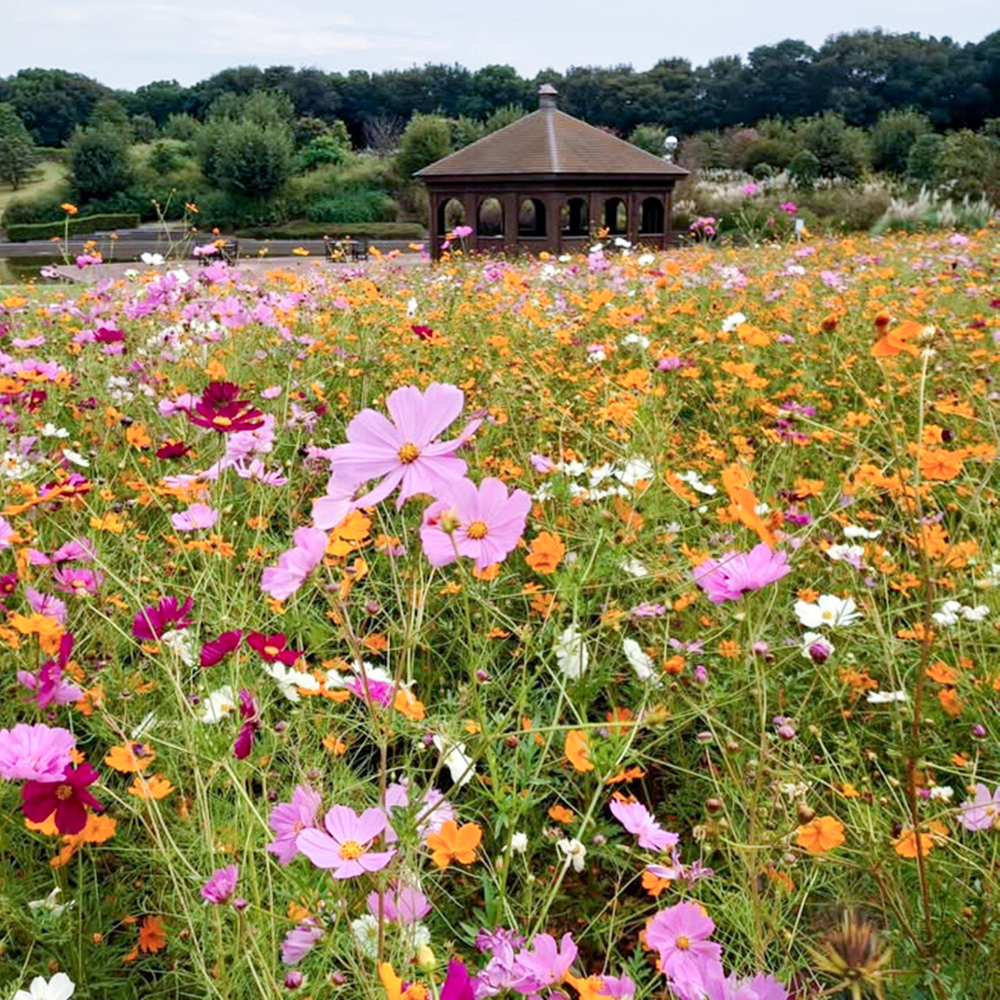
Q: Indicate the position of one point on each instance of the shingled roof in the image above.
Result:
(550, 142)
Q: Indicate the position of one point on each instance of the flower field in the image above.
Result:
(617, 626)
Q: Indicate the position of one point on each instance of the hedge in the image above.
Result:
(317, 230)
(80, 226)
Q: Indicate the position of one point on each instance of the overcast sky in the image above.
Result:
(126, 43)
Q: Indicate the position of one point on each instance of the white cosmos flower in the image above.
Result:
(853, 531)
(290, 680)
(976, 614)
(730, 323)
(885, 697)
(948, 615)
(635, 470)
(574, 851)
(218, 705)
(365, 932)
(829, 611)
(519, 842)
(635, 568)
(151, 259)
(460, 765)
(638, 659)
(51, 903)
(59, 987)
(571, 653)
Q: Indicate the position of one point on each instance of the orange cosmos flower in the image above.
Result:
(821, 835)
(578, 750)
(547, 551)
(895, 343)
(910, 841)
(455, 843)
(940, 464)
(130, 758)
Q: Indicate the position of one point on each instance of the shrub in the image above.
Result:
(166, 156)
(316, 230)
(37, 208)
(649, 137)
(322, 150)
(923, 157)
(100, 162)
(840, 149)
(78, 225)
(892, 137)
(182, 127)
(804, 169)
(246, 157)
(352, 206)
(426, 139)
(969, 165)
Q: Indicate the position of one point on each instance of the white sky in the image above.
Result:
(126, 43)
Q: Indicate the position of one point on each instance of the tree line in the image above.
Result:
(859, 76)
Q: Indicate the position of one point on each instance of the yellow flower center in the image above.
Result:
(221, 421)
(683, 943)
(64, 792)
(408, 453)
(827, 616)
(351, 850)
(476, 530)
(271, 650)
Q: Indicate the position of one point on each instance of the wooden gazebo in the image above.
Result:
(550, 182)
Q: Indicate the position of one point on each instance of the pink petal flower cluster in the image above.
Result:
(982, 811)
(638, 820)
(221, 885)
(295, 565)
(345, 848)
(484, 523)
(730, 576)
(289, 819)
(405, 451)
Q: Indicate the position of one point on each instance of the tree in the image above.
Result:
(426, 139)
(247, 145)
(922, 159)
(841, 150)
(650, 138)
(892, 137)
(52, 102)
(969, 165)
(100, 162)
(110, 112)
(503, 117)
(17, 152)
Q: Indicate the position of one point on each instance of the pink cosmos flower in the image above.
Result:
(77, 580)
(546, 964)
(295, 565)
(638, 820)
(35, 752)
(338, 501)
(345, 848)
(299, 941)
(48, 684)
(734, 573)
(198, 515)
(289, 819)
(221, 885)
(617, 987)
(680, 934)
(982, 812)
(67, 797)
(405, 452)
(250, 714)
(484, 524)
(402, 904)
(457, 984)
(705, 979)
(271, 648)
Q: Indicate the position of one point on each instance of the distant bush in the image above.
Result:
(352, 206)
(313, 231)
(100, 162)
(841, 150)
(922, 161)
(892, 137)
(323, 150)
(182, 126)
(649, 137)
(426, 139)
(78, 226)
(37, 208)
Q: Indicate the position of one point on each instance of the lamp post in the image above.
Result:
(670, 145)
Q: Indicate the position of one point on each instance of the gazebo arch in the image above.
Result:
(568, 173)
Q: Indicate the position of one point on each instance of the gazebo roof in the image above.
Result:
(550, 142)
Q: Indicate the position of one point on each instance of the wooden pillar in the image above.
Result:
(434, 234)
(553, 222)
(667, 218)
(632, 229)
(509, 201)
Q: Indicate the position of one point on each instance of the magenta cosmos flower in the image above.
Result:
(67, 797)
(221, 885)
(484, 524)
(405, 452)
(35, 752)
(289, 819)
(48, 684)
(638, 820)
(346, 847)
(155, 619)
(680, 934)
(730, 576)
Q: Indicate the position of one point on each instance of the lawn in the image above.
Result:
(582, 627)
(48, 176)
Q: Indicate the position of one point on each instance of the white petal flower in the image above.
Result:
(575, 852)
(460, 765)
(291, 680)
(638, 660)
(571, 653)
(218, 705)
(519, 842)
(59, 987)
(829, 611)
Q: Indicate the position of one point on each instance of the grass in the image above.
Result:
(846, 421)
(48, 176)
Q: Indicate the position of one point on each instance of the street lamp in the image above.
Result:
(670, 145)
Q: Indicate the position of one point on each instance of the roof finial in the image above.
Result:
(547, 96)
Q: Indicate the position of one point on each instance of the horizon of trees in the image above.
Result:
(859, 75)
